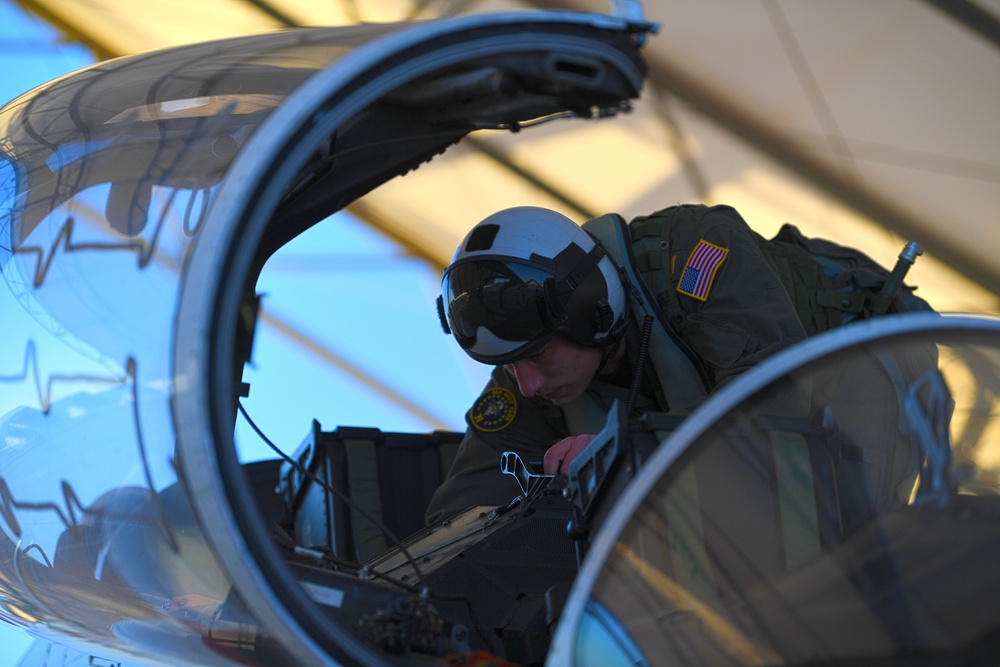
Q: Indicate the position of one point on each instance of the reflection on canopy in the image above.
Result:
(865, 530)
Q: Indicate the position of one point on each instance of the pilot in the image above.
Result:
(657, 313)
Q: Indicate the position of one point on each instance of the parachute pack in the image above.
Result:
(832, 285)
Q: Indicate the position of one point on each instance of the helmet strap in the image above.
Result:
(609, 352)
(572, 269)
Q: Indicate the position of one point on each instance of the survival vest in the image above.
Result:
(677, 368)
(830, 285)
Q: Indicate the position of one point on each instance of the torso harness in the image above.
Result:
(678, 372)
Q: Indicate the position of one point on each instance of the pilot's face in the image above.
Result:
(559, 372)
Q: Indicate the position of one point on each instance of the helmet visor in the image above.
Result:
(514, 302)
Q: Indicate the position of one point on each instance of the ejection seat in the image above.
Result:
(390, 477)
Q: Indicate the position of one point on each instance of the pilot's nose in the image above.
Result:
(529, 379)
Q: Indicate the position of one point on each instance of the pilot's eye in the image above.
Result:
(537, 356)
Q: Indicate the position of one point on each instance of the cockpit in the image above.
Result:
(163, 216)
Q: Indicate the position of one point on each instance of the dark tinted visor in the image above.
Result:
(506, 298)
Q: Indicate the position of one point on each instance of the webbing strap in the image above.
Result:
(796, 497)
(680, 379)
(663, 285)
(816, 302)
(364, 488)
(651, 243)
(685, 533)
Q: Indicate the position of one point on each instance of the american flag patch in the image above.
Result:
(699, 272)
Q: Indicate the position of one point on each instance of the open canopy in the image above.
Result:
(867, 123)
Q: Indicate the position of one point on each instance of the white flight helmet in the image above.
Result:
(524, 275)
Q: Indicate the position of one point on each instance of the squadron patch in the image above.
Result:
(699, 272)
(494, 410)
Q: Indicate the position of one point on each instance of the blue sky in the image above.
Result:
(342, 286)
(350, 290)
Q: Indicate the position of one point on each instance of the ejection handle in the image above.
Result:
(530, 483)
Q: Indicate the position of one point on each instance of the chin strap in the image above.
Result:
(609, 352)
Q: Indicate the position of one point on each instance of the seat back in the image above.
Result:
(388, 477)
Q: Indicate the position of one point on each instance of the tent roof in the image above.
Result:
(866, 123)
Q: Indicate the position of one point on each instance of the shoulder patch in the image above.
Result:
(699, 272)
(494, 410)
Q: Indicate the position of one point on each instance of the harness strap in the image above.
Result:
(362, 462)
(679, 376)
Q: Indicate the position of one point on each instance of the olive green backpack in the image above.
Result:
(830, 284)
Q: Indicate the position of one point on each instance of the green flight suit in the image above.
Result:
(734, 313)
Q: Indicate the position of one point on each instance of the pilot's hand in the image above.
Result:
(559, 455)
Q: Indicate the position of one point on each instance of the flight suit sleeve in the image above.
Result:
(737, 310)
(500, 420)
